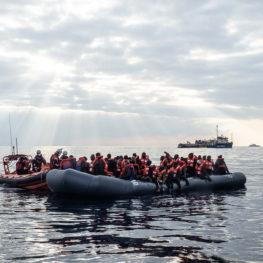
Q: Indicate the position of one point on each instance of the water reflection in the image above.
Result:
(104, 227)
(186, 227)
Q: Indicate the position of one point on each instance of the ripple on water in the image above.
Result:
(210, 227)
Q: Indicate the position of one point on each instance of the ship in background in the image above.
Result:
(254, 145)
(218, 142)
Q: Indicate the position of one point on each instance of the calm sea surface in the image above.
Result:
(204, 227)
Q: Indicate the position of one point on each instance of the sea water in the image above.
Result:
(197, 227)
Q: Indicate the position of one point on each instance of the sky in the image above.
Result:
(133, 72)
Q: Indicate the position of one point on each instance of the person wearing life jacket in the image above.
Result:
(145, 161)
(64, 155)
(162, 157)
(136, 164)
(67, 162)
(162, 174)
(220, 166)
(201, 169)
(112, 165)
(181, 170)
(169, 160)
(73, 161)
(128, 171)
(99, 165)
(190, 166)
(134, 157)
(209, 165)
(92, 160)
(154, 176)
(83, 165)
(176, 158)
(23, 165)
(124, 162)
(172, 178)
(198, 168)
(165, 159)
(119, 160)
(38, 161)
(54, 159)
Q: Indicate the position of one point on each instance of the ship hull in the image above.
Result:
(219, 146)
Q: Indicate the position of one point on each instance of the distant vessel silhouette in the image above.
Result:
(218, 142)
(254, 145)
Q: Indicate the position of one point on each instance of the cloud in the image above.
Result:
(183, 61)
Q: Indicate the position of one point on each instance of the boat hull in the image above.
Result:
(75, 182)
(34, 181)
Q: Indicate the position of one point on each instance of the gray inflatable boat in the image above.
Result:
(74, 182)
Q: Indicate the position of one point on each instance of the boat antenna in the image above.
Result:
(10, 133)
(217, 131)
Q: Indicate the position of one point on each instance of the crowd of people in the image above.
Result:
(171, 169)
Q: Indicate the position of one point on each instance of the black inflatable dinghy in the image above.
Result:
(74, 182)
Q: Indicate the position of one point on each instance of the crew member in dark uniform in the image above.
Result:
(38, 161)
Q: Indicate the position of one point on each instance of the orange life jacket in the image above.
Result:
(198, 168)
(80, 161)
(54, 161)
(144, 161)
(99, 166)
(190, 162)
(66, 164)
(209, 165)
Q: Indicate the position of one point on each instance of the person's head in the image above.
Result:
(176, 156)
(38, 152)
(109, 156)
(220, 156)
(97, 154)
(162, 158)
(143, 155)
(149, 162)
(167, 155)
(204, 157)
(199, 157)
(134, 155)
(71, 156)
(126, 157)
(209, 157)
(92, 157)
(58, 151)
(65, 153)
(85, 158)
(190, 155)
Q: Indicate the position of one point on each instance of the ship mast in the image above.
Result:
(11, 137)
(217, 131)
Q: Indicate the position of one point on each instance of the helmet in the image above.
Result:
(65, 153)
(38, 152)
(59, 151)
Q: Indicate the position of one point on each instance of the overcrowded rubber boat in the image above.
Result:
(30, 180)
(99, 186)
